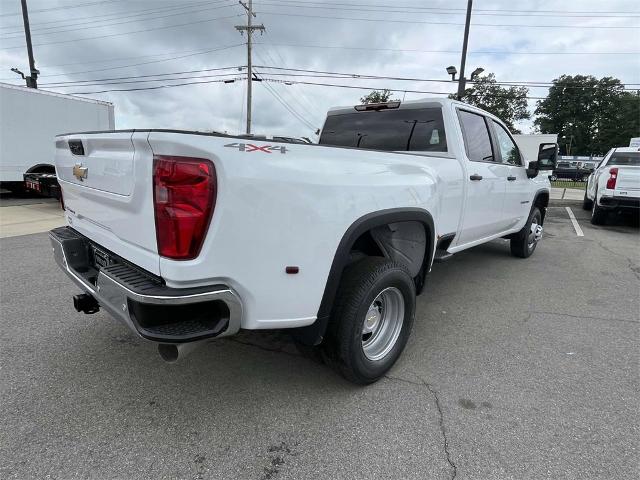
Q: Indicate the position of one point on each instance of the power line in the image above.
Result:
(434, 10)
(127, 82)
(155, 87)
(85, 25)
(292, 97)
(272, 91)
(478, 52)
(424, 22)
(413, 79)
(302, 98)
(197, 52)
(286, 82)
(419, 7)
(80, 82)
(128, 33)
(63, 7)
(360, 87)
(60, 23)
(299, 72)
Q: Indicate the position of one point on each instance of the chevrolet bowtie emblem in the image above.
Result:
(80, 172)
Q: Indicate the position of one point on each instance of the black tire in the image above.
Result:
(521, 245)
(586, 203)
(361, 284)
(598, 215)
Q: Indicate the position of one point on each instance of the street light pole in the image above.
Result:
(32, 80)
(462, 80)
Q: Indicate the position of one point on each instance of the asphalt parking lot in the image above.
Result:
(515, 369)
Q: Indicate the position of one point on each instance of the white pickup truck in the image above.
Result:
(614, 185)
(188, 236)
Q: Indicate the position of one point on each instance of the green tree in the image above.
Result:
(508, 104)
(593, 115)
(378, 96)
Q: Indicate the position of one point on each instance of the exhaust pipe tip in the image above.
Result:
(168, 352)
(173, 352)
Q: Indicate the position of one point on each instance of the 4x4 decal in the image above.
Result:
(249, 147)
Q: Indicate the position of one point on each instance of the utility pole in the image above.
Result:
(462, 80)
(32, 80)
(249, 28)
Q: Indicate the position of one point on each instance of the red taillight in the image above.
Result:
(184, 196)
(613, 176)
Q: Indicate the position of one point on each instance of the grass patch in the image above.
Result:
(573, 185)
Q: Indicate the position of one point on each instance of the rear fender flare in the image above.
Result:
(314, 333)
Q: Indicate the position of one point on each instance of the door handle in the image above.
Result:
(475, 176)
(511, 179)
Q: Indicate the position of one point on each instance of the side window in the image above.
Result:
(508, 149)
(477, 141)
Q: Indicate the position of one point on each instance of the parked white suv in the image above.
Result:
(187, 236)
(614, 185)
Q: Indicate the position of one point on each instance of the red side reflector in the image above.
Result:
(613, 177)
(184, 196)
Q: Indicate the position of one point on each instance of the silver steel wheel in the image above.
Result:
(535, 232)
(383, 323)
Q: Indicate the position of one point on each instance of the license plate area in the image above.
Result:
(101, 259)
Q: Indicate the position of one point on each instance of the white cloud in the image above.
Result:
(218, 106)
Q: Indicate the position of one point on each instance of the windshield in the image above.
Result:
(625, 158)
(391, 130)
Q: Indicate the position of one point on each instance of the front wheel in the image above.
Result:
(524, 243)
(372, 319)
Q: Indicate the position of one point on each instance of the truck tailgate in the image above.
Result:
(628, 182)
(107, 191)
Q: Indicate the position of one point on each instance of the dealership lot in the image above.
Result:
(515, 369)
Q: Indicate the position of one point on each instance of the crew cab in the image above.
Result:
(189, 236)
(614, 185)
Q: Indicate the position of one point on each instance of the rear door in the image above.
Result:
(517, 199)
(486, 179)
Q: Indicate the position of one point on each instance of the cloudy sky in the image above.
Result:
(138, 44)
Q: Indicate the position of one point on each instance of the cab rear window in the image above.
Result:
(418, 130)
(625, 158)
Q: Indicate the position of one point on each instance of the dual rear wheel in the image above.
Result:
(372, 319)
(374, 311)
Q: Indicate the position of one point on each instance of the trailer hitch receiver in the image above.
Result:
(85, 303)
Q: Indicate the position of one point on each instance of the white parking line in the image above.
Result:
(574, 222)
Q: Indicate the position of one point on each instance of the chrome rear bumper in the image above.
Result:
(139, 299)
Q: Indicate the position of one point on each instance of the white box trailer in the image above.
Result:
(530, 143)
(30, 119)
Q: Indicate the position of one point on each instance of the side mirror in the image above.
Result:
(533, 169)
(547, 156)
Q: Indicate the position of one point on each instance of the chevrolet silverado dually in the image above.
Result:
(190, 236)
